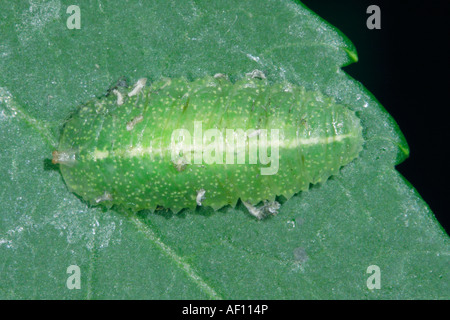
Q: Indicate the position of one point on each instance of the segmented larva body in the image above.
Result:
(119, 150)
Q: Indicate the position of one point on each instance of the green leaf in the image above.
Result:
(319, 246)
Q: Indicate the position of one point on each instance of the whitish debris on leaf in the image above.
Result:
(256, 74)
(220, 76)
(104, 197)
(287, 87)
(268, 208)
(200, 196)
(180, 164)
(119, 97)
(138, 87)
(132, 123)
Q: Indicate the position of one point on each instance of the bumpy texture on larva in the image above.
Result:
(119, 153)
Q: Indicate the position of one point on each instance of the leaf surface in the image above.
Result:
(320, 244)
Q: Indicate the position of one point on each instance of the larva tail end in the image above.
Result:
(55, 159)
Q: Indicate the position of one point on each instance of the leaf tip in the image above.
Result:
(403, 153)
(352, 54)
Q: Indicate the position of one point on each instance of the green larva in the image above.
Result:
(210, 142)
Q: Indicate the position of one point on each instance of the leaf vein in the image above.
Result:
(167, 250)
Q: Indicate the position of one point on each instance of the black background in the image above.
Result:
(406, 66)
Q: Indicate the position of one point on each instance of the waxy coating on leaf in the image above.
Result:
(119, 149)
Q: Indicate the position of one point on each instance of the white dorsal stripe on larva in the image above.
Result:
(139, 150)
(326, 140)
